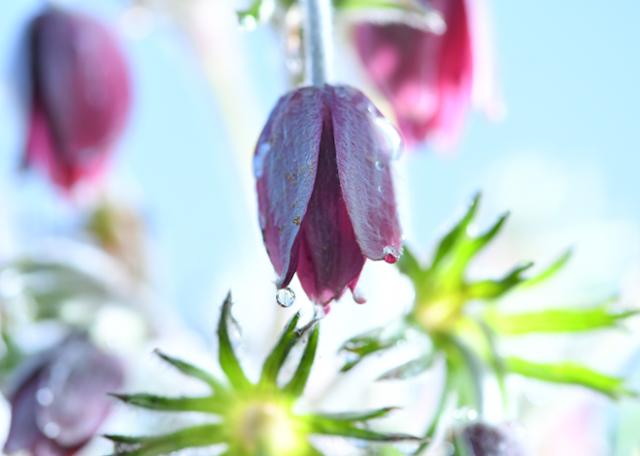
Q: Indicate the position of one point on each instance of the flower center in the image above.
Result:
(440, 314)
(266, 427)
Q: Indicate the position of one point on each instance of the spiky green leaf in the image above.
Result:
(327, 426)
(410, 368)
(278, 355)
(493, 289)
(570, 373)
(193, 437)
(457, 233)
(360, 347)
(476, 244)
(409, 265)
(298, 381)
(359, 416)
(550, 271)
(557, 320)
(226, 354)
(206, 404)
(192, 371)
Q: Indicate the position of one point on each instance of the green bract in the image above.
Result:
(251, 418)
(258, 10)
(442, 318)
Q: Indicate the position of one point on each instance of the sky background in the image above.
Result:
(564, 159)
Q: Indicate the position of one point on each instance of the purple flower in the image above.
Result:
(60, 404)
(429, 79)
(325, 192)
(80, 96)
(485, 440)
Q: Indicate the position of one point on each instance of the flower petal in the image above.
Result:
(79, 379)
(365, 145)
(427, 78)
(82, 83)
(23, 431)
(330, 258)
(285, 164)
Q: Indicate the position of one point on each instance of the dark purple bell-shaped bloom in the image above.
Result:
(482, 439)
(80, 96)
(325, 192)
(61, 403)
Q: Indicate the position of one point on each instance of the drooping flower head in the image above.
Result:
(428, 78)
(80, 96)
(59, 406)
(482, 439)
(325, 191)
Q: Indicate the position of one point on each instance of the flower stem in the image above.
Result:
(318, 33)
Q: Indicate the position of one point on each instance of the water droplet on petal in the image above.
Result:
(51, 430)
(44, 396)
(358, 297)
(379, 165)
(285, 297)
(390, 135)
(379, 188)
(391, 254)
(259, 158)
(342, 92)
(465, 415)
(320, 311)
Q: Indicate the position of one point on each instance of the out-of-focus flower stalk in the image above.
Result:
(205, 23)
(318, 38)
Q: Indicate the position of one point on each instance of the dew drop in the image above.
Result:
(379, 188)
(259, 158)
(285, 297)
(320, 311)
(465, 414)
(51, 430)
(358, 297)
(391, 255)
(342, 92)
(379, 165)
(390, 136)
(44, 396)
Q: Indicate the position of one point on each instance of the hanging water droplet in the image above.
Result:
(51, 430)
(259, 158)
(391, 254)
(320, 311)
(44, 396)
(358, 297)
(390, 136)
(285, 297)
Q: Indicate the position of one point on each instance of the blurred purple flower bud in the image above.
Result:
(429, 79)
(80, 96)
(60, 405)
(325, 192)
(484, 440)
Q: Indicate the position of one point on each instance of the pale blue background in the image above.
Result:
(569, 73)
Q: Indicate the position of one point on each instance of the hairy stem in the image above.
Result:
(318, 38)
